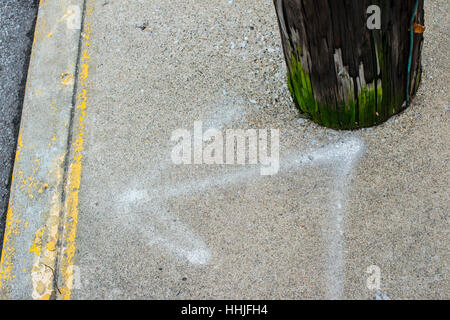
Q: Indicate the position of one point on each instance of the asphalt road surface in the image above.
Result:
(17, 21)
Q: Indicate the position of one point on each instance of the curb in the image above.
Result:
(32, 246)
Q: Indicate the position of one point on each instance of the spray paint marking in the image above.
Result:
(163, 230)
(181, 241)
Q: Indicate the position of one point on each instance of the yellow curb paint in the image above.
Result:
(44, 264)
(67, 79)
(74, 174)
(6, 265)
(12, 225)
(44, 246)
(37, 243)
(12, 228)
(19, 145)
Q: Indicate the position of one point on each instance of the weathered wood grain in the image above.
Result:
(341, 73)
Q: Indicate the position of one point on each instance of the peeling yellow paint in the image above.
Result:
(6, 262)
(29, 185)
(44, 247)
(89, 11)
(37, 243)
(19, 145)
(12, 229)
(41, 30)
(74, 176)
(84, 71)
(45, 244)
(67, 79)
(85, 56)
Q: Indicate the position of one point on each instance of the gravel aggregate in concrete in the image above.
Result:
(312, 232)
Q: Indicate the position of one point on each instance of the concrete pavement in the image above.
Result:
(109, 215)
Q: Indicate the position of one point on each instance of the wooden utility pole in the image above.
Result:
(346, 69)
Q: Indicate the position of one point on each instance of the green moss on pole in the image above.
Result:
(341, 73)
